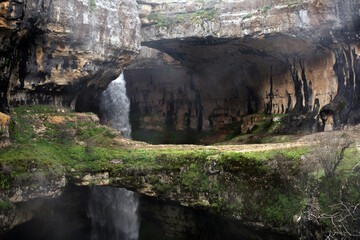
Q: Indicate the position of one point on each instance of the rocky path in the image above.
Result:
(307, 140)
(229, 148)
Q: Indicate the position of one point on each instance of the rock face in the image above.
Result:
(208, 98)
(54, 51)
(26, 198)
(218, 60)
(4, 130)
(243, 57)
(186, 20)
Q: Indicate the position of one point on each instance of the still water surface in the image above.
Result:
(106, 213)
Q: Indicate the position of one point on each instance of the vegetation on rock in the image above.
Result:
(273, 187)
(194, 17)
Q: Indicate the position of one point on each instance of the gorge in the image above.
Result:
(206, 72)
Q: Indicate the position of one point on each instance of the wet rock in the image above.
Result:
(98, 179)
(117, 161)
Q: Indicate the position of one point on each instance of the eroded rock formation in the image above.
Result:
(238, 58)
(54, 51)
(27, 197)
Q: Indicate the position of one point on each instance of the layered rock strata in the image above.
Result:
(239, 58)
(54, 51)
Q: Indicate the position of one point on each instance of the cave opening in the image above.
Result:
(201, 92)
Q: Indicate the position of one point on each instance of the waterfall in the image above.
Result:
(113, 213)
(115, 106)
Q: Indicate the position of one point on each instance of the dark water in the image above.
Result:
(82, 213)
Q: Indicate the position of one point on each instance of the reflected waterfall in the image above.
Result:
(113, 213)
(115, 106)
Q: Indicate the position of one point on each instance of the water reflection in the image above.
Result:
(107, 213)
(113, 213)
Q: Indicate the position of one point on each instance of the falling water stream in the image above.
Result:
(113, 213)
(115, 106)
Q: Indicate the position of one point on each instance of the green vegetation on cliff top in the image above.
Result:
(195, 17)
(272, 186)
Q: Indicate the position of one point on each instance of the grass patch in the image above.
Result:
(6, 205)
(265, 10)
(263, 128)
(92, 6)
(194, 17)
(292, 3)
(247, 16)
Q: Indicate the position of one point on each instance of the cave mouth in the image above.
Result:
(204, 91)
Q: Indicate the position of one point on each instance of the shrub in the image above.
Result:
(247, 16)
(5, 205)
(330, 151)
(92, 6)
(265, 10)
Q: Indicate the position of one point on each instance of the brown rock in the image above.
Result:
(60, 49)
(4, 130)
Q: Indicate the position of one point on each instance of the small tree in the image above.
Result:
(329, 152)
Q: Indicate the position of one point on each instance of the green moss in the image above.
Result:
(5, 182)
(164, 188)
(36, 109)
(280, 208)
(292, 3)
(195, 181)
(199, 204)
(265, 10)
(265, 127)
(341, 105)
(166, 20)
(247, 16)
(92, 6)
(6, 205)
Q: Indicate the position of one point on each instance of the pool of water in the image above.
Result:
(115, 214)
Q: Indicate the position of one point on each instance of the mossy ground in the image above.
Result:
(194, 17)
(267, 186)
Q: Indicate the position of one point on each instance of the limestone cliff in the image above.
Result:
(240, 57)
(54, 51)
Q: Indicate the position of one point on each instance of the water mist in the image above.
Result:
(115, 106)
(113, 213)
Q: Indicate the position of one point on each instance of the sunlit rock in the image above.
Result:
(4, 130)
